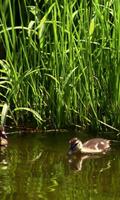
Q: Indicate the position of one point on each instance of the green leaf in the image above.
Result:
(4, 113)
(68, 77)
(92, 27)
(52, 77)
(36, 114)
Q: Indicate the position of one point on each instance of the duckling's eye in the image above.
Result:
(73, 146)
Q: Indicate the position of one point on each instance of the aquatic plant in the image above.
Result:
(4, 114)
(61, 62)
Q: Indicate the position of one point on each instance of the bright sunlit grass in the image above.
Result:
(62, 62)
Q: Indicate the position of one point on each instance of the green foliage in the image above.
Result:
(3, 114)
(62, 61)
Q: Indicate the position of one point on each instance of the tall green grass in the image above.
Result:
(62, 62)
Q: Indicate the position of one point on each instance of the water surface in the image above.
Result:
(35, 167)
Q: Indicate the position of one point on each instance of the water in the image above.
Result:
(35, 167)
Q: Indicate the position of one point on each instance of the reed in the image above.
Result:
(62, 62)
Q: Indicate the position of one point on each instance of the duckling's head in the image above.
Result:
(75, 146)
(2, 132)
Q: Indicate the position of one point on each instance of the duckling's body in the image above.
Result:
(96, 145)
(3, 137)
(3, 141)
(92, 146)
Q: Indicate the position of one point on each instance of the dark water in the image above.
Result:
(35, 167)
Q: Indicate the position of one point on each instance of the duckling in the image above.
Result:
(92, 146)
(3, 137)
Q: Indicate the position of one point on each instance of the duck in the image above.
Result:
(3, 137)
(92, 146)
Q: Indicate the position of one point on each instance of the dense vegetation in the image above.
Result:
(60, 62)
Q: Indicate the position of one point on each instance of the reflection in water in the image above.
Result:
(76, 161)
(4, 186)
(3, 152)
(34, 167)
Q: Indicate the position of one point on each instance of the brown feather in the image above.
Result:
(101, 143)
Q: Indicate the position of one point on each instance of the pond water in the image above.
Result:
(35, 167)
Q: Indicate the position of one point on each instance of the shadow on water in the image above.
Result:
(37, 167)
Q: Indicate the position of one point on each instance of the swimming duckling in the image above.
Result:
(92, 146)
(3, 137)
